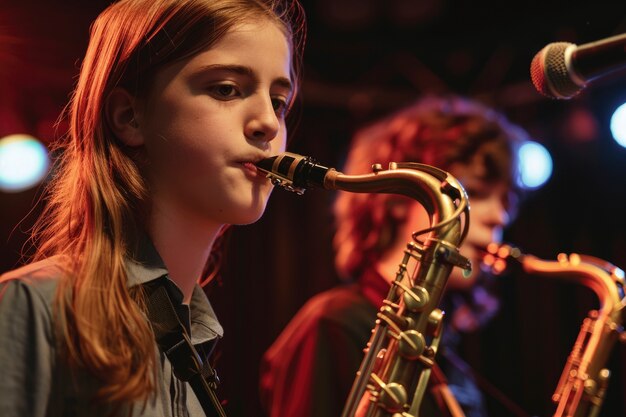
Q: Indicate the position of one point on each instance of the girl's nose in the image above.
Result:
(263, 124)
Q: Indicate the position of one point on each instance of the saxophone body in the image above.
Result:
(394, 373)
(583, 383)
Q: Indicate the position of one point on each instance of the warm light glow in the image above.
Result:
(535, 165)
(24, 162)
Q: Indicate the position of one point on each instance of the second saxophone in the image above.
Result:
(394, 373)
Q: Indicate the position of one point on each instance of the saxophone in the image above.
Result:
(582, 386)
(394, 373)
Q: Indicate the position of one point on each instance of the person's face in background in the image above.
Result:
(488, 216)
(489, 204)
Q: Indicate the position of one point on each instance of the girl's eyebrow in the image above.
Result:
(241, 70)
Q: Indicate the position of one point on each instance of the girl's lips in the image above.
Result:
(252, 170)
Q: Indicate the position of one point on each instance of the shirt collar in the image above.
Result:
(145, 263)
(204, 323)
(145, 266)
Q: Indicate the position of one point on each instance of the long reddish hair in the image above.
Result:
(97, 199)
(435, 130)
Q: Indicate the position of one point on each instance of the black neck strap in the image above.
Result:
(173, 339)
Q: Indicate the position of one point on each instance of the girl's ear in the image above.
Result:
(121, 112)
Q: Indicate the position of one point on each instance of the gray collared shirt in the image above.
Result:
(33, 381)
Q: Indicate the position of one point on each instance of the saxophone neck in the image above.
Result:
(603, 278)
(440, 193)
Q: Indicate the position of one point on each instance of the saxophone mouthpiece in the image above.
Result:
(293, 172)
(266, 164)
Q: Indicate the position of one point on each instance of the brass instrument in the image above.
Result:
(394, 373)
(583, 383)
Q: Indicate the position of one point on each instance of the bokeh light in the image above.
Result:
(24, 162)
(535, 165)
(618, 125)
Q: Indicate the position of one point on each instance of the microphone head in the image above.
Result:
(549, 72)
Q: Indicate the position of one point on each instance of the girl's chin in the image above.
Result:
(249, 215)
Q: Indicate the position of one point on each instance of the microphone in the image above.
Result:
(561, 69)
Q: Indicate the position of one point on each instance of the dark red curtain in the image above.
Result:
(359, 66)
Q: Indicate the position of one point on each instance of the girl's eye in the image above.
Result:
(280, 105)
(224, 91)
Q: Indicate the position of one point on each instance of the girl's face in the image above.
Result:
(208, 119)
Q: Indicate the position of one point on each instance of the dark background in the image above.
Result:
(365, 58)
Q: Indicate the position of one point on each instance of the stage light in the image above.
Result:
(24, 162)
(618, 125)
(535, 165)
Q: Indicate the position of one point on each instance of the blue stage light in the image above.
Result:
(535, 165)
(24, 162)
(618, 125)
